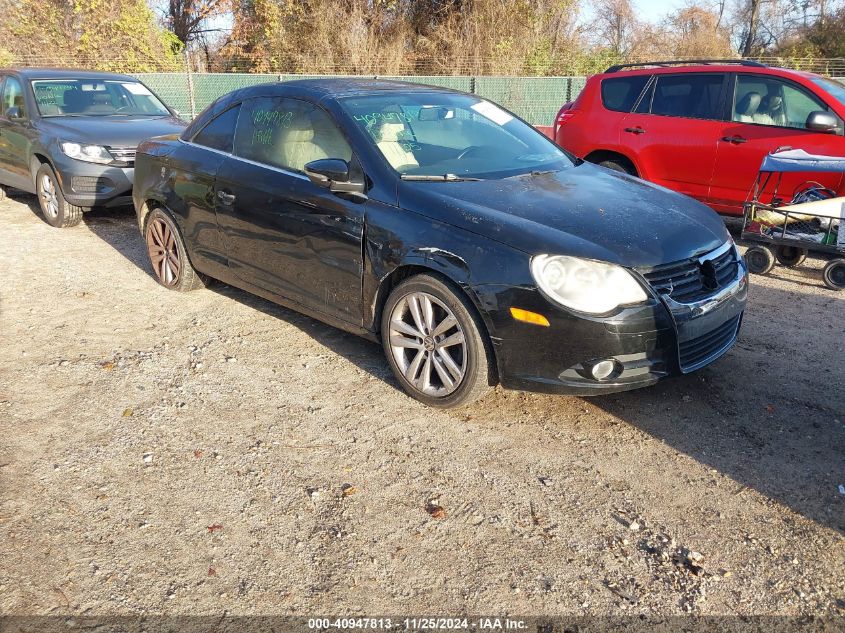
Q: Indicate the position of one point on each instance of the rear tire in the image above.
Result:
(618, 165)
(759, 260)
(834, 274)
(57, 211)
(422, 314)
(790, 256)
(168, 255)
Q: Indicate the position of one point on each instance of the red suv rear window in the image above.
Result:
(621, 93)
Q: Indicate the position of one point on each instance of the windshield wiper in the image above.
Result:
(536, 172)
(438, 178)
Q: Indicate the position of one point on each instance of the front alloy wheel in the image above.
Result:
(428, 344)
(56, 210)
(434, 342)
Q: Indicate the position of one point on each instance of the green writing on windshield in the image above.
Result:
(370, 118)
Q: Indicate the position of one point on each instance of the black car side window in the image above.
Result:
(688, 95)
(219, 134)
(288, 133)
(13, 106)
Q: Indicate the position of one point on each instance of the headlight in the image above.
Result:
(88, 153)
(585, 285)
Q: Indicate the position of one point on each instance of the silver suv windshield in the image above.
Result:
(95, 97)
(451, 137)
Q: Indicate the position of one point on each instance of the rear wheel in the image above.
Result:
(168, 254)
(760, 260)
(56, 210)
(834, 274)
(618, 165)
(790, 256)
(434, 343)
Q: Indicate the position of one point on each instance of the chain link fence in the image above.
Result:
(535, 99)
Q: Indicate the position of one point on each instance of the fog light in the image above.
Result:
(603, 369)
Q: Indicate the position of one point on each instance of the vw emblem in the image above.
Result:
(708, 275)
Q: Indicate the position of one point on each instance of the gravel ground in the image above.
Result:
(214, 453)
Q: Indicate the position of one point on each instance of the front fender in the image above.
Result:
(398, 239)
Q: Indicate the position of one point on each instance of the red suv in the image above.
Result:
(702, 128)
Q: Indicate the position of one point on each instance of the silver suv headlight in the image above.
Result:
(87, 153)
(585, 285)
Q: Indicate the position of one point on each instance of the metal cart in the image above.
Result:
(811, 220)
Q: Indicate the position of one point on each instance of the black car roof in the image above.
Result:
(329, 87)
(353, 86)
(63, 73)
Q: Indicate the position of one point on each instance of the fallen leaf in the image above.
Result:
(212, 571)
(347, 490)
(127, 413)
(107, 365)
(198, 453)
(214, 528)
(770, 408)
(436, 511)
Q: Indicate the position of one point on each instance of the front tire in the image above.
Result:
(57, 211)
(168, 255)
(435, 343)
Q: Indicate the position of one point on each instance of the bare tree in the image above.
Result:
(188, 19)
(752, 12)
(615, 24)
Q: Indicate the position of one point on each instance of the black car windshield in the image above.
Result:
(834, 88)
(95, 97)
(452, 136)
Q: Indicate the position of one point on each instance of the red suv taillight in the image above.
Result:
(564, 116)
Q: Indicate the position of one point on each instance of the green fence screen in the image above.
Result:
(535, 99)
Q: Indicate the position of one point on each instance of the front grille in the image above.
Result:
(91, 184)
(123, 155)
(699, 351)
(690, 280)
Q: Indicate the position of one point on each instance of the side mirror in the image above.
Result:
(333, 174)
(821, 121)
(14, 113)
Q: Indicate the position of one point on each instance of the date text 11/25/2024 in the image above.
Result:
(419, 624)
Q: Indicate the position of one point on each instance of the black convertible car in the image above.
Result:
(471, 246)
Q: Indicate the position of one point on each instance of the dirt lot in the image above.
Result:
(212, 452)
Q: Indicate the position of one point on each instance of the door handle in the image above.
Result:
(736, 140)
(225, 197)
(635, 130)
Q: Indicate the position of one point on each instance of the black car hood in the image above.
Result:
(585, 211)
(116, 131)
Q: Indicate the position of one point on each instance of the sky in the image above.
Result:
(650, 10)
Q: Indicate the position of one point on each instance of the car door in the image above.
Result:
(283, 233)
(16, 135)
(767, 113)
(674, 129)
(192, 168)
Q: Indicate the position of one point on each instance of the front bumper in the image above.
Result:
(647, 343)
(92, 185)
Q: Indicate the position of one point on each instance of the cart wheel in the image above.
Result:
(834, 274)
(790, 256)
(759, 259)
